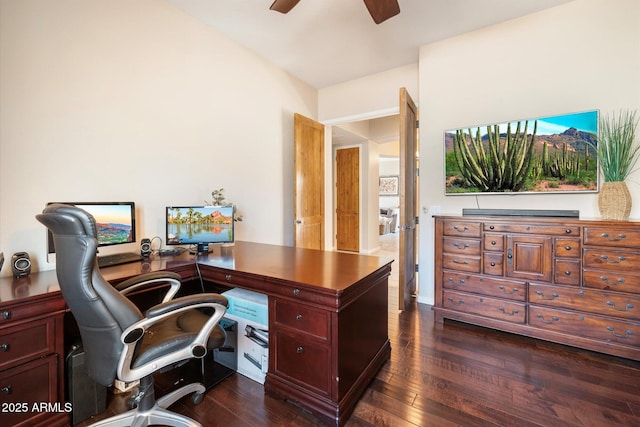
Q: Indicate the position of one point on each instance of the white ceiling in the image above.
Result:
(325, 42)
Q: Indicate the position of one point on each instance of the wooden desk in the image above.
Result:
(327, 316)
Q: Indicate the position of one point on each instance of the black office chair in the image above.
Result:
(119, 341)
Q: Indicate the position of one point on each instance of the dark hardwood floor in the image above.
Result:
(455, 375)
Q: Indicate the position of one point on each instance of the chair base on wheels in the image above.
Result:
(156, 413)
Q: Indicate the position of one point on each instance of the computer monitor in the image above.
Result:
(115, 222)
(199, 225)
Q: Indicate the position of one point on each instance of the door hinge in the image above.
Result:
(417, 124)
(417, 220)
(417, 268)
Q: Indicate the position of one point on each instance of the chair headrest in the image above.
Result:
(68, 220)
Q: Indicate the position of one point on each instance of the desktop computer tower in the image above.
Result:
(87, 397)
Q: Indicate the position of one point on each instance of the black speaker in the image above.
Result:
(145, 247)
(20, 264)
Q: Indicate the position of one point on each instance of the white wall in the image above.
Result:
(579, 56)
(121, 100)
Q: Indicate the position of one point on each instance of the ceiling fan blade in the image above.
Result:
(381, 10)
(283, 6)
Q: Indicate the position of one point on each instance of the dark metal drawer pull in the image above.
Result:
(541, 295)
(6, 389)
(6, 315)
(458, 245)
(553, 320)
(613, 332)
(299, 349)
(567, 273)
(299, 317)
(606, 258)
(455, 261)
(568, 231)
(4, 347)
(612, 304)
(620, 237)
(513, 312)
(460, 302)
(503, 289)
(465, 228)
(568, 248)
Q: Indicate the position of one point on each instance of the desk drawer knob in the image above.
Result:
(4, 347)
(296, 292)
(6, 315)
(300, 349)
(299, 317)
(6, 389)
(228, 277)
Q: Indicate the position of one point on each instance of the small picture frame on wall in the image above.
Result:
(389, 185)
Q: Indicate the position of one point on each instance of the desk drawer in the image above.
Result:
(31, 310)
(304, 361)
(26, 341)
(302, 318)
(232, 278)
(34, 382)
(461, 263)
(454, 245)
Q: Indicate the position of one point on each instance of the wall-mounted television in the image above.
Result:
(540, 155)
(115, 222)
(199, 225)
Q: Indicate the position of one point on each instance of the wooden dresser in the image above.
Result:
(570, 281)
(32, 352)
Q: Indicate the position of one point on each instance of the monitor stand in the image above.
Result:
(201, 248)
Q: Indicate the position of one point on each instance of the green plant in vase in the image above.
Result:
(218, 199)
(618, 155)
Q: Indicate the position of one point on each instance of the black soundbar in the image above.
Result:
(523, 212)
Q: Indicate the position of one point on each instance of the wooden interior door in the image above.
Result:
(408, 210)
(308, 142)
(348, 199)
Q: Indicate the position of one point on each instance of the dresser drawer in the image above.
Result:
(567, 272)
(461, 246)
(611, 281)
(26, 341)
(567, 248)
(461, 228)
(302, 318)
(612, 260)
(546, 229)
(485, 306)
(502, 288)
(33, 382)
(585, 325)
(493, 263)
(461, 263)
(604, 303)
(304, 361)
(621, 237)
(493, 242)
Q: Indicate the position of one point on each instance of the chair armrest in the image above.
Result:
(148, 280)
(197, 347)
(186, 301)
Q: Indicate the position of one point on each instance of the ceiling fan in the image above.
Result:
(380, 10)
